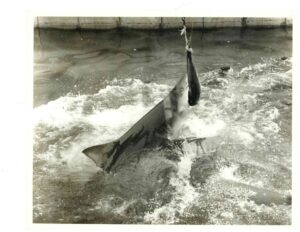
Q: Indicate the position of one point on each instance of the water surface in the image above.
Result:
(91, 86)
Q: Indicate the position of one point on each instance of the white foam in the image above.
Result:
(190, 125)
(66, 121)
(255, 67)
(59, 112)
(228, 173)
(231, 174)
(184, 194)
(244, 136)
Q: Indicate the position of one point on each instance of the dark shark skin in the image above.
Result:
(151, 129)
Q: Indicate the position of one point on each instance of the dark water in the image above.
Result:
(90, 87)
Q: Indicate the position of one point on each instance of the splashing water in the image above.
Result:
(184, 195)
(242, 177)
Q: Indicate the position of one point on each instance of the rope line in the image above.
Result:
(184, 32)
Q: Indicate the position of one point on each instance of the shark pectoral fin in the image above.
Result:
(100, 153)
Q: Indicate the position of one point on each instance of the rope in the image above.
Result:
(184, 32)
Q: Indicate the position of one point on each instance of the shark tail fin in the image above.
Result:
(100, 154)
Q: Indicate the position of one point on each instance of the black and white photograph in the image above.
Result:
(162, 120)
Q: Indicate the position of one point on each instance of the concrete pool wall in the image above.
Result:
(102, 23)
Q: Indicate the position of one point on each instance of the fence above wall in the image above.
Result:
(102, 23)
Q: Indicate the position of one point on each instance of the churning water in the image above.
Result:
(91, 87)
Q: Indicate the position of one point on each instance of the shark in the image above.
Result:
(151, 130)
